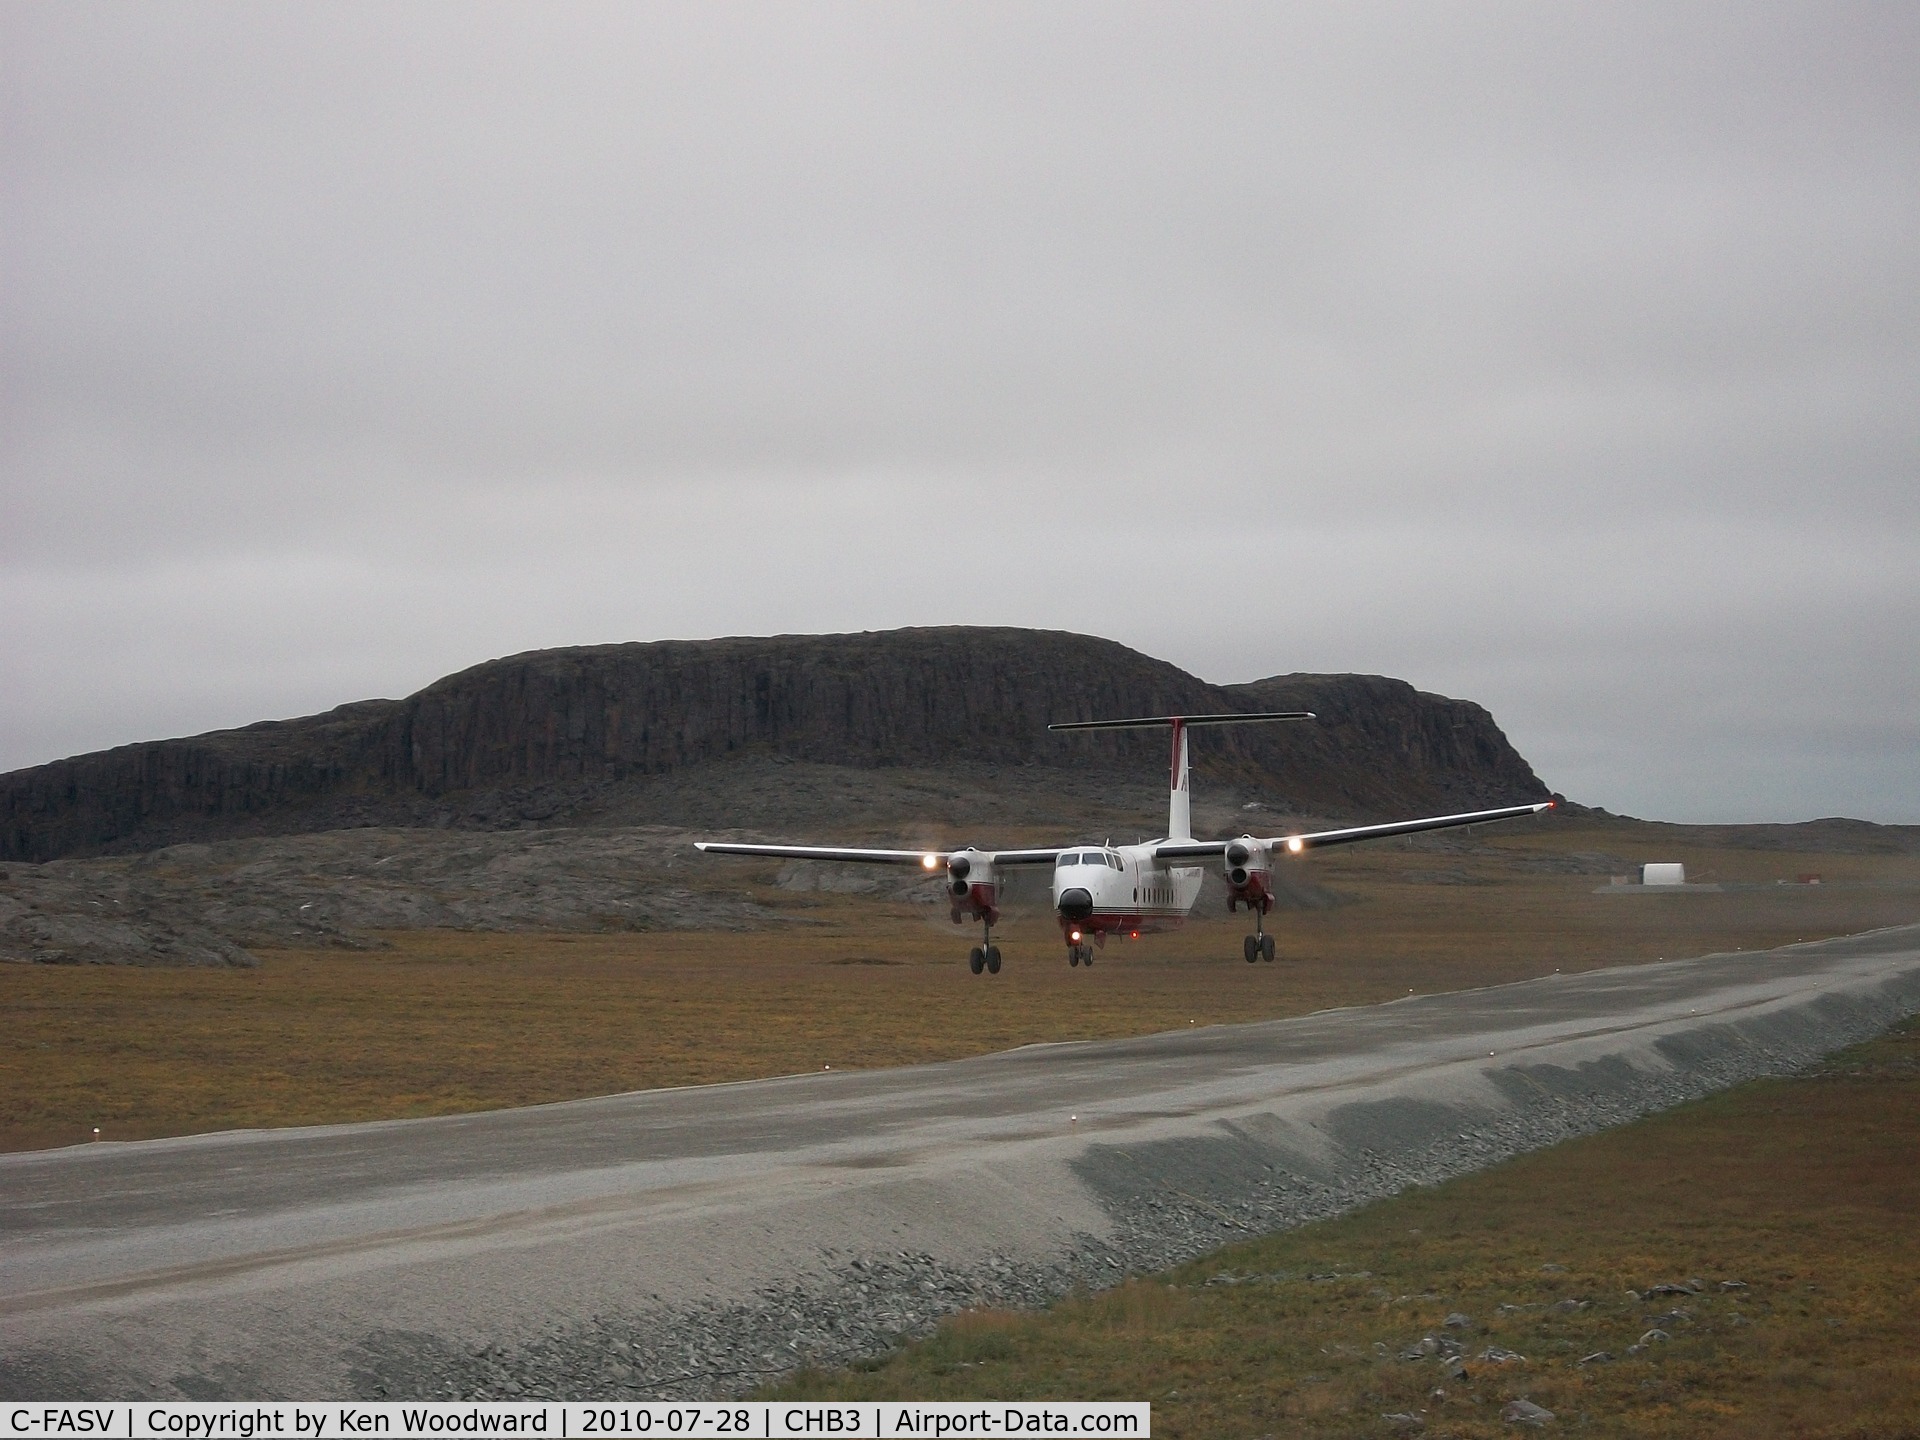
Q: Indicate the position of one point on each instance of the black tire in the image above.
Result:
(1073, 956)
(976, 960)
(1086, 956)
(993, 959)
(1266, 947)
(1250, 948)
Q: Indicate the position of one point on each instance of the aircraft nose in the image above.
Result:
(1076, 904)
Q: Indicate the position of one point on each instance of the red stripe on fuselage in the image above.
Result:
(1112, 921)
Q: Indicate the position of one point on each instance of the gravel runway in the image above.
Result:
(695, 1242)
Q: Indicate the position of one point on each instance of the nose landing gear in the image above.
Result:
(1080, 955)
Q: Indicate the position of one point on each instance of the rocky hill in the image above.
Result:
(588, 735)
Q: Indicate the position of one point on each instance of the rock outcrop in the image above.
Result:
(555, 736)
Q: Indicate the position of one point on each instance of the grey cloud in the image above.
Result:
(1563, 357)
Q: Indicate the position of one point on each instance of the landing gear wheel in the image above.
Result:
(1073, 956)
(977, 960)
(993, 959)
(1086, 956)
(1250, 947)
(1266, 947)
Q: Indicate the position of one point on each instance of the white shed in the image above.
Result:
(1664, 874)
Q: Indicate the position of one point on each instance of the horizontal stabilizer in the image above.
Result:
(1149, 722)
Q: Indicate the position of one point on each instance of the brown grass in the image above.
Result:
(1805, 1190)
(452, 1021)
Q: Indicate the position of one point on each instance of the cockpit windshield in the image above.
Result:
(1086, 857)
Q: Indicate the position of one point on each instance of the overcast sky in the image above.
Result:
(1562, 358)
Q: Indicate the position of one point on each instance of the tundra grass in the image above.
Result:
(1768, 1233)
(444, 1021)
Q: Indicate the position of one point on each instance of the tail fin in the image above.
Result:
(1180, 801)
(1180, 805)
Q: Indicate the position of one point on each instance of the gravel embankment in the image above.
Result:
(1170, 1202)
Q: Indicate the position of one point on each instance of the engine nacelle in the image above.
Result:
(973, 890)
(1248, 871)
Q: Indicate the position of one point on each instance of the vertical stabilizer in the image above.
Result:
(1180, 805)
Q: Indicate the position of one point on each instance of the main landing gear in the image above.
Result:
(1259, 945)
(985, 956)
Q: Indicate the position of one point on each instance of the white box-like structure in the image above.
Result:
(1665, 874)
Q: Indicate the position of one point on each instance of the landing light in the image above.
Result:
(1074, 935)
(1295, 844)
(929, 862)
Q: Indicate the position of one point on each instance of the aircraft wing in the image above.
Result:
(923, 859)
(1313, 840)
(1031, 857)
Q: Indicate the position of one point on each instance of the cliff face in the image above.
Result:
(1380, 744)
(552, 730)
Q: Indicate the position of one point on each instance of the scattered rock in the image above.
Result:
(1457, 1321)
(1499, 1355)
(1733, 1285)
(1654, 1336)
(1454, 1367)
(1404, 1420)
(1657, 1290)
(813, 875)
(208, 904)
(1570, 1307)
(1525, 1412)
(1598, 1357)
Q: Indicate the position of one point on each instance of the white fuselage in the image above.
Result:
(1121, 889)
